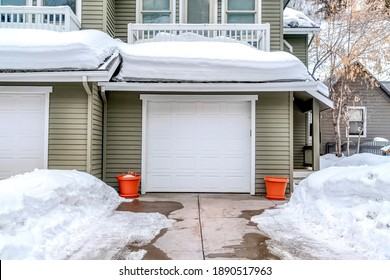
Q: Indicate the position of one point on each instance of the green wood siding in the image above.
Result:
(92, 14)
(377, 103)
(124, 14)
(97, 133)
(110, 17)
(272, 137)
(272, 14)
(68, 127)
(299, 44)
(124, 134)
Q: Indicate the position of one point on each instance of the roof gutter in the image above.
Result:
(315, 88)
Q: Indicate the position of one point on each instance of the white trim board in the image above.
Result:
(314, 88)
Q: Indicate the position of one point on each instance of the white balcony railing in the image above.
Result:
(257, 35)
(31, 17)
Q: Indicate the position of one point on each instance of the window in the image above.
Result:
(13, 2)
(357, 121)
(70, 3)
(198, 11)
(241, 11)
(156, 11)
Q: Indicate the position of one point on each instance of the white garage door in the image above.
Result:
(198, 146)
(23, 137)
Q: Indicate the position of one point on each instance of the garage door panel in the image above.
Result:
(235, 183)
(161, 126)
(207, 142)
(160, 163)
(185, 163)
(185, 108)
(8, 103)
(32, 103)
(31, 145)
(23, 131)
(210, 109)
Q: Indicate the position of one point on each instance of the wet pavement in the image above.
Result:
(208, 226)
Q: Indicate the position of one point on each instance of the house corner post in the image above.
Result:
(291, 141)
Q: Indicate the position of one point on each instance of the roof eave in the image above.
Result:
(315, 88)
(102, 75)
(301, 30)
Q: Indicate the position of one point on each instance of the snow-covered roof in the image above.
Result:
(207, 61)
(293, 18)
(30, 49)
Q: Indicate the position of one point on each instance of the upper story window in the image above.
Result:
(198, 11)
(241, 11)
(357, 121)
(70, 3)
(156, 11)
(13, 2)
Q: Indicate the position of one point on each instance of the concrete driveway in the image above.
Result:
(208, 226)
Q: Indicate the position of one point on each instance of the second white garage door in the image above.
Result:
(198, 146)
(23, 130)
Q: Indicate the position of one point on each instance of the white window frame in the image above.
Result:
(162, 97)
(225, 12)
(79, 6)
(183, 15)
(45, 91)
(139, 11)
(364, 121)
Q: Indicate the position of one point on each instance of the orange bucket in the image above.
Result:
(128, 185)
(275, 187)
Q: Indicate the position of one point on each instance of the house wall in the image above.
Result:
(299, 44)
(99, 14)
(377, 103)
(68, 127)
(273, 135)
(124, 14)
(124, 134)
(272, 13)
(110, 17)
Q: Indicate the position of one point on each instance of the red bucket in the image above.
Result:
(129, 185)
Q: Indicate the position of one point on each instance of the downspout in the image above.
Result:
(104, 144)
(89, 124)
(288, 45)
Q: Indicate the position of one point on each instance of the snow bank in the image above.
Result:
(294, 18)
(29, 49)
(53, 214)
(344, 209)
(207, 61)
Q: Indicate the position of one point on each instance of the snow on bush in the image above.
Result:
(345, 207)
(57, 214)
(294, 18)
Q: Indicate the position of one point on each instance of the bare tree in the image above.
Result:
(351, 31)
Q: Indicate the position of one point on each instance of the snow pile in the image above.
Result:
(341, 212)
(207, 61)
(293, 18)
(53, 214)
(29, 49)
(380, 139)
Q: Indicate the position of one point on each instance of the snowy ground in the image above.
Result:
(339, 212)
(53, 214)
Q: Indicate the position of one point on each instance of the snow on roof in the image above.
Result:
(293, 18)
(29, 49)
(207, 61)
